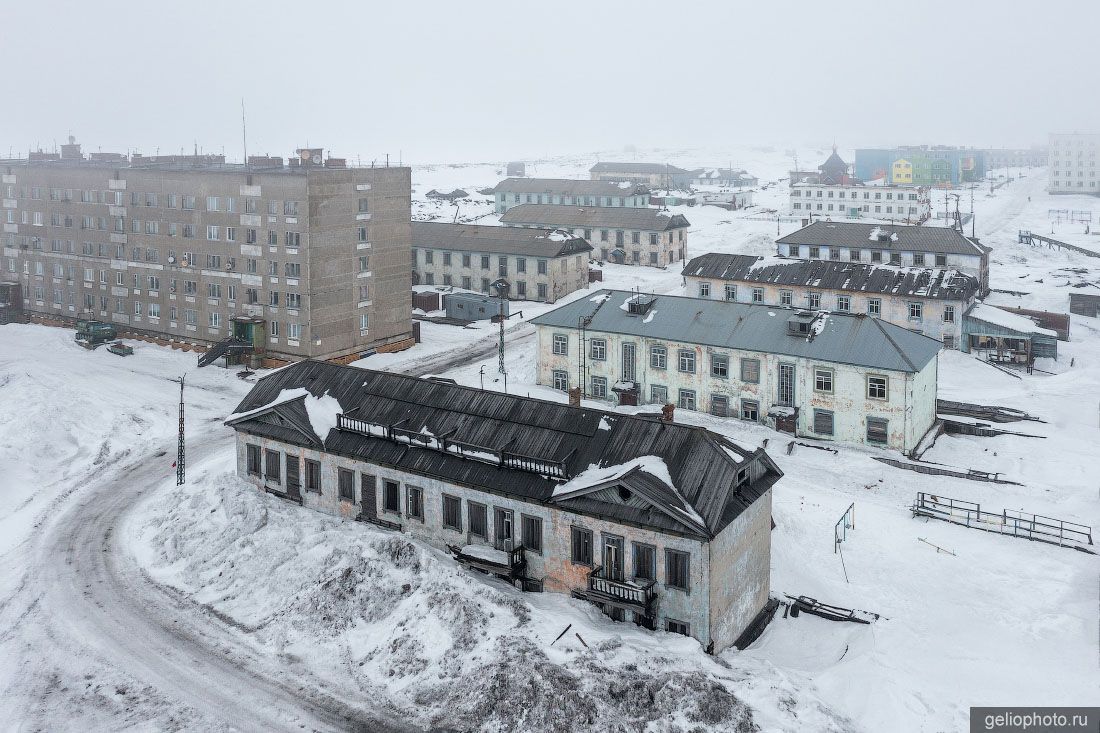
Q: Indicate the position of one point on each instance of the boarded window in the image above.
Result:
(478, 519)
(293, 481)
(719, 406)
(677, 569)
(452, 512)
(273, 464)
(414, 499)
(750, 410)
(532, 533)
(313, 476)
(345, 481)
(645, 561)
(876, 430)
(391, 496)
(750, 371)
(253, 457)
(582, 546)
(823, 422)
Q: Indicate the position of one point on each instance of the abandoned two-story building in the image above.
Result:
(891, 244)
(660, 523)
(569, 192)
(927, 300)
(631, 236)
(839, 376)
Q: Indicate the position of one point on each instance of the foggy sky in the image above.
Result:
(466, 80)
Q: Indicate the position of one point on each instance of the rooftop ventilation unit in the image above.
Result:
(640, 304)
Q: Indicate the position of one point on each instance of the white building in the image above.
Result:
(925, 300)
(568, 192)
(665, 525)
(890, 244)
(909, 204)
(828, 376)
(1073, 163)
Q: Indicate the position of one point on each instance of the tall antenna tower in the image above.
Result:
(244, 136)
(181, 452)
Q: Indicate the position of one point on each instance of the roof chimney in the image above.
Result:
(667, 412)
(575, 397)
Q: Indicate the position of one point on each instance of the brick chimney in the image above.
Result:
(667, 411)
(575, 397)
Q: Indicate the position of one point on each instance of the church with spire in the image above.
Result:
(834, 171)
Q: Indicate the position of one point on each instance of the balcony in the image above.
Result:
(639, 597)
(510, 565)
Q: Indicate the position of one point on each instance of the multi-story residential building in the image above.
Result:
(1033, 157)
(1073, 158)
(664, 524)
(911, 204)
(654, 175)
(831, 376)
(184, 247)
(892, 244)
(922, 299)
(569, 192)
(622, 235)
(535, 264)
(921, 165)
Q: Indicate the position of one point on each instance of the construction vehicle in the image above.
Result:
(91, 334)
(121, 349)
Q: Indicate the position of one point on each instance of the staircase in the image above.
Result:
(222, 348)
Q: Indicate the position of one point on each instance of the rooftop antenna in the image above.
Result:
(244, 137)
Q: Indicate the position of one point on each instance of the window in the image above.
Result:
(686, 361)
(941, 260)
(215, 320)
(598, 349)
(211, 203)
(686, 400)
(750, 371)
(452, 512)
(363, 238)
(719, 406)
(645, 561)
(658, 357)
(532, 533)
(823, 422)
(823, 379)
(877, 387)
(918, 259)
(313, 476)
(212, 233)
(719, 365)
(877, 430)
(677, 627)
(949, 314)
(750, 410)
(843, 303)
(813, 300)
(345, 481)
(758, 295)
(478, 516)
(677, 569)
(561, 344)
(658, 394)
(542, 291)
(391, 496)
(599, 387)
(293, 269)
(874, 306)
(364, 206)
(582, 546)
(561, 380)
(704, 290)
(253, 461)
(731, 292)
(786, 297)
(895, 258)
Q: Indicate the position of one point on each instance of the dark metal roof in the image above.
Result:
(843, 338)
(703, 466)
(637, 169)
(568, 187)
(611, 217)
(940, 240)
(917, 282)
(502, 240)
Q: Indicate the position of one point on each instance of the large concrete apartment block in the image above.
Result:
(176, 246)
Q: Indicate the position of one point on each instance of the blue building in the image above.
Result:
(921, 165)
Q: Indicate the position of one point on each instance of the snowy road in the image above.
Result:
(95, 596)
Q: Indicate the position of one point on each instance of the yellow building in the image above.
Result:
(901, 171)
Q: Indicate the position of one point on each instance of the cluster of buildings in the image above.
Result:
(833, 193)
(921, 165)
(668, 177)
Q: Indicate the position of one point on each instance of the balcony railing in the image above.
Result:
(508, 564)
(634, 596)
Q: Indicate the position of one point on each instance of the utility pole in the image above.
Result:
(181, 453)
(972, 234)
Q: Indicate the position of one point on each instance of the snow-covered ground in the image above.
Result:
(224, 594)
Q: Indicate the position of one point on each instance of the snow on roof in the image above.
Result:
(996, 316)
(877, 232)
(322, 411)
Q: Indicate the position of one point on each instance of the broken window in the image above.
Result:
(313, 476)
(582, 546)
(478, 519)
(677, 569)
(274, 461)
(452, 512)
(391, 496)
(345, 481)
(823, 422)
(532, 533)
(414, 499)
(876, 430)
(253, 459)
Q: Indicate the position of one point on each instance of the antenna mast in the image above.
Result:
(244, 136)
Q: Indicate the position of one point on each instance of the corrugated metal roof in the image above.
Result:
(918, 282)
(940, 240)
(702, 471)
(611, 217)
(494, 239)
(643, 169)
(844, 339)
(568, 187)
